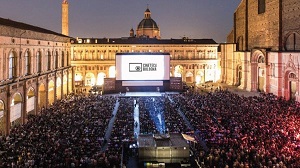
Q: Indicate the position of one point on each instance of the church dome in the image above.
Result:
(147, 23)
(148, 27)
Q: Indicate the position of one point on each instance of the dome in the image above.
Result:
(147, 23)
(148, 27)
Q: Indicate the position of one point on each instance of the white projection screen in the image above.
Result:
(139, 66)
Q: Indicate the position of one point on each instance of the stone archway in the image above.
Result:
(100, 78)
(30, 103)
(2, 119)
(58, 88)
(90, 79)
(290, 85)
(198, 77)
(42, 97)
(189, 77)
(65, 85)
(16, 110)
(239, 75)
(258, 70)
(178, 70)
(78, 82)
(51, 94)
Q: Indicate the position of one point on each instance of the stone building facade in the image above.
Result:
(262, 52)
(195, 60)
(34, 71)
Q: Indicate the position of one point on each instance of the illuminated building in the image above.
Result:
(262, 51)
(35, 71)
(147, 28)
(195, 60)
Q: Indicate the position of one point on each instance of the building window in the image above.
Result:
(55, 61)
(292, 76)
(292, 42)
(62, 59)
(48, 60)
(27, 63)
(68, 58)
(261, 6)
(261, 59)
(12, 66)
(273, 70)
(74, 56)
(38, 62)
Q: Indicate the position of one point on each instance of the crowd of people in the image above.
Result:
(159, 116)
(70, 133)
(257, 131)
(122, 132)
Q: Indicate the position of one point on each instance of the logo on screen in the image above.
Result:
(135, 67)
(150, 67)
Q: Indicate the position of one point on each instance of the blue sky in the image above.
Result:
(114, 18)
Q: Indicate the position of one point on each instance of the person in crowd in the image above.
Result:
(258, 131)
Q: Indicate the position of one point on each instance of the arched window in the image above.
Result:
(74, 56)
(38, 62)
(293, 42)
(261, 59)
(12, 72)
(48, 55)
(55, 59)
(292, 76)
(27, 63)
(79, 54)
(68, 59)
(62, 59)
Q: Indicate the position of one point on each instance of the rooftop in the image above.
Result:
(24, 26)
(132, 40)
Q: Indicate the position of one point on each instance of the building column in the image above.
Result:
(47, 91)
(24, 105)
(254, 76)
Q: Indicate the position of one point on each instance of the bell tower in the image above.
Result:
(65, 18)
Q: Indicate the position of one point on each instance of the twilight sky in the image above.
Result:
(114, 18)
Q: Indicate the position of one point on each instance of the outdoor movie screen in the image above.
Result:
(138, 66)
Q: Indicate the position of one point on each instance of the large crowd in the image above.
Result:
(257, 131)
(68, 134)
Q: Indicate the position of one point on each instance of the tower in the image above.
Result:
(65, 18)
(131, 34)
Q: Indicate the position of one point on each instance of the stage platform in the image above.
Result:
(146, 94)
(143, 94)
